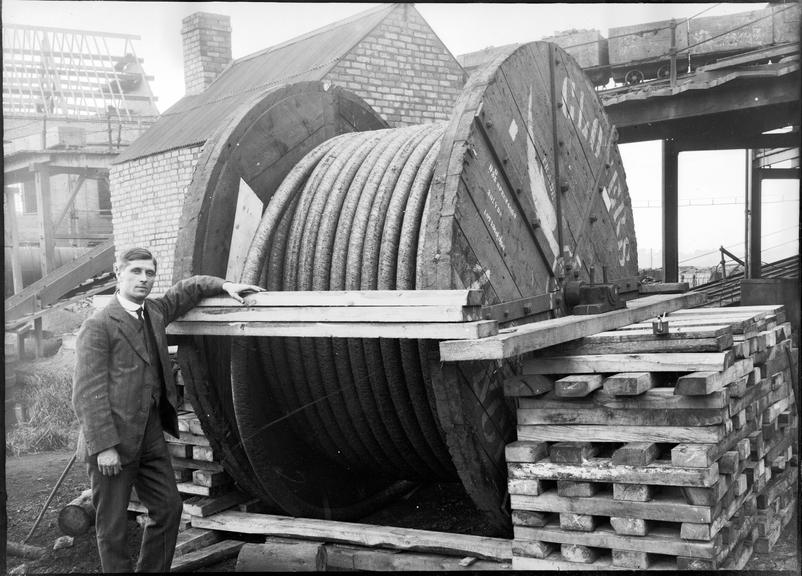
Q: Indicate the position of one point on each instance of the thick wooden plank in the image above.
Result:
(571, 452)
(629, 383)
(432, 330)
(661, 540)
(527, 385)
(526, 451)
(193, 539)
(589, 364)
(663, 288)
(603, 416)
(662, 398)
(667, 508)
(206, 556)
(577, 385)
(603, 470)
(716, 344)
(555, 562)
(539, 335)
(694, 455)
(621, 433)
(636, 454)
(359, 534)
(187, 438)
(198, 490)
(378, 314)
(200, 506)
(704, 382)
(351, 298)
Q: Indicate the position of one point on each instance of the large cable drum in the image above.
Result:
(520, 191)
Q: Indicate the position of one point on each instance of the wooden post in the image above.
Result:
(13, 229)
(670, 211)
(755, 216)
(46, 242)
(747, 194)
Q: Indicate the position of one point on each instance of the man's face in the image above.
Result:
(135, 280)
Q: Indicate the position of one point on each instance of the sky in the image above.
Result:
(704, 176)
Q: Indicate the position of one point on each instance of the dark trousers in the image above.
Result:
(151, 473)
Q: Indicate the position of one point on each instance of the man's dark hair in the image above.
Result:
(135, 254)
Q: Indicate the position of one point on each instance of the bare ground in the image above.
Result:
(444, 507)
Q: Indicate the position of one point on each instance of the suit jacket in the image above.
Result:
(109, 393)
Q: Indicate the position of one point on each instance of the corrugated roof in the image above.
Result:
(193, 119)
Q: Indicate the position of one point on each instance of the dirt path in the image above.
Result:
(30, 478)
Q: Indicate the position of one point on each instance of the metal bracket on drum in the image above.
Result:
(583, 298)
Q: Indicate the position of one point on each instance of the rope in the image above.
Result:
(348, 217)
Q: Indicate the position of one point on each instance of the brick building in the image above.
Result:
(387, 55)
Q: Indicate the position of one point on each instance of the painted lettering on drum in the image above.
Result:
(574, 109)
(613, 196)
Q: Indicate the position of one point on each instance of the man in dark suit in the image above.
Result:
(124, 396)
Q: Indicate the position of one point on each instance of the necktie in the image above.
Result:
(139, 314)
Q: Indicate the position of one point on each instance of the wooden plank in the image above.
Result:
(432, 330)
(716, 344)
(213, 554)
(522, 451)
(555, 562)
(663, 288)
(199, 506)
(210, 479)
(621, 433)
(668, 508)
(571, 452)
(694, 455)
(193, 539)
(191, 488)
(577, 385)
(603, 470)
(645, 332)
(703, 383)
(373, 314)
(539, 335)
(610, 363)
(351, 298)
(629, 383)
(359, 534)
(527, 385)
(662, 398)
(596, 415)
(191, 464)
(661, 540)
(636, 454)
(187, 438)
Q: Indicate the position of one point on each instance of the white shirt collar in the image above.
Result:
(130, 306)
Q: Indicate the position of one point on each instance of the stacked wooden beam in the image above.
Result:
(646, 447)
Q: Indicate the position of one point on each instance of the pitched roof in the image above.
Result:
(193, 119)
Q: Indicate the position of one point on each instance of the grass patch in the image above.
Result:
(44, 387)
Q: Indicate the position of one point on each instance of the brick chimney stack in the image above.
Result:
(207, 49)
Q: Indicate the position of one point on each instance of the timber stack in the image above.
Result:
(685, 461)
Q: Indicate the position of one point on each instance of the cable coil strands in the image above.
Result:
(334, 427)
